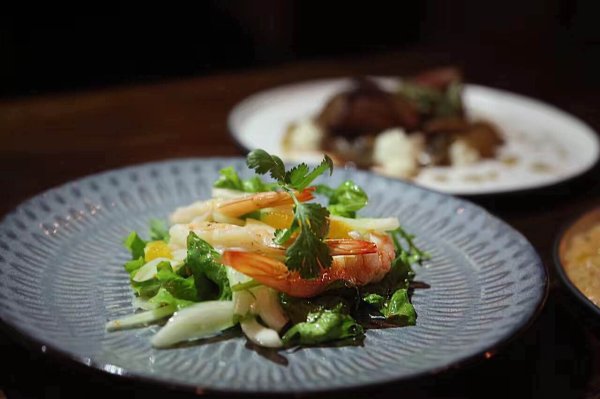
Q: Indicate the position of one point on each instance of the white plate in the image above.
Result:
(548, 144)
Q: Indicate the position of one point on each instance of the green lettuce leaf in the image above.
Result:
(135, 245)
(298, 309)
(165, 297)
(133, 265)
(181, 287)
(230, 179)
(324, 326)
(399, 308)
(345, 200)
(159, 230)
(210, 276)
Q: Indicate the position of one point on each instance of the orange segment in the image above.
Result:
(157, 249)
(279, 218)
(338, 229)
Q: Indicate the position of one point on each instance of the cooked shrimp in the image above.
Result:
(255, 237)
(241, 206)
(227, 211)
(356, 270)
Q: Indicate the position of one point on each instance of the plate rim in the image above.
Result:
(52, 351)
(595, 138)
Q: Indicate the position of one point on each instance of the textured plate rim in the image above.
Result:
(234, 134)
(112, 370)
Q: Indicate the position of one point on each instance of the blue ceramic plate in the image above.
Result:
(61, 279)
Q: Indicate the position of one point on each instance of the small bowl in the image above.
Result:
(582, 223)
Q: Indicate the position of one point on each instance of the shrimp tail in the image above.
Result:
(272, 273)
(347, 246)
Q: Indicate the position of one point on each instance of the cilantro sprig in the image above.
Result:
(308, 254)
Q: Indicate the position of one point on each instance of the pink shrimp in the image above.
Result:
(356, 269)
(244, 205)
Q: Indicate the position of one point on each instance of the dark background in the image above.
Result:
(61, 51)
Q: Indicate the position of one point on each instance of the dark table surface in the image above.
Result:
(51, 139)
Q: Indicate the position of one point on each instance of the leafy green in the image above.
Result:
(256, 185)
(298, 309)
(345, 200)
(263, 162)
(135, 245)
(181, 287)
(230, 179)
(210, 276)
(165, 297)
(147, 288)
(297, 178)
(374, 299)
(410, 255)
(308, 254)
(390, 296)
(133, 265)
(324, 326)
(159, 230)
(399, 307)
(301, 176)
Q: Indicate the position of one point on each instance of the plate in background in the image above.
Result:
(61, 279)
(549, 145)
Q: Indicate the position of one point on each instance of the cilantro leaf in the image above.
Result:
(301, 176)
(308, 254)
(298, 178)
(263, 162)
(345, 200)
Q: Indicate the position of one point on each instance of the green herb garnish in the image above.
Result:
(308, 254)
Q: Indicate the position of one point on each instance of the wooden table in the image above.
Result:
(48, 140)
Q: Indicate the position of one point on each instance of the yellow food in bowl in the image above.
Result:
(581, 262)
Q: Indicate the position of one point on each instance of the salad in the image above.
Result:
(263, 255)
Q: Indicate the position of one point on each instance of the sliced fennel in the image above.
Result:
(268, 307)
(140, 319)
(242, 303)
(227, 193)
(260, 334)
(148, 271)
(144, 304)
(200, 320)
(368, 224)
